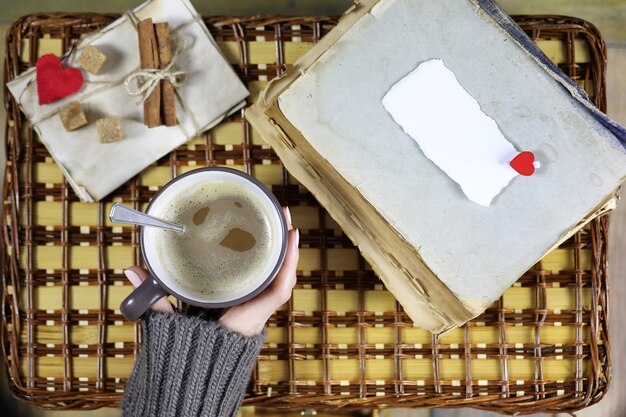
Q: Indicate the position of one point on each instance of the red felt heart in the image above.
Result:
(55, 82)
(523, 163)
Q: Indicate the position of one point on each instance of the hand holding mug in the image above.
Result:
(250, 317)
(234, 241)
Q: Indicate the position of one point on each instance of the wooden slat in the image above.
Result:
(46, 45)
(81, 257)
(556, 50)
(82, 367)
(81, 297)
(82, 335)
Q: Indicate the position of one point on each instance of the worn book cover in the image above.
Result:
(406, 122)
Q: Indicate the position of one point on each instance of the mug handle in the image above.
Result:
(142, 297)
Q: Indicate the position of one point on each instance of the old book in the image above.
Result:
(445, 254)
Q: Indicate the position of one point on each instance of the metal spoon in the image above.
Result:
(121, 214)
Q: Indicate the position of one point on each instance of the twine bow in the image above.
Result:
(147, 79)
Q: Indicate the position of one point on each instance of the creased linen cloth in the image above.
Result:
(210, 91)
(189, 366)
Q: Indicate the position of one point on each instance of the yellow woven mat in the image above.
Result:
(342, 340)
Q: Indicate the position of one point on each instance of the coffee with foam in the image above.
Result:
(227, 244)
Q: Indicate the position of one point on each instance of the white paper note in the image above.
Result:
(450, 128)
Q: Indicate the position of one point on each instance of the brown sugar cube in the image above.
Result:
(91, 60)
(72, 116)
(109, 129)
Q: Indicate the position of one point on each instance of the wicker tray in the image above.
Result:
(342, 341)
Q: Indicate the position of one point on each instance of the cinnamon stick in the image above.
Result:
(168, 111)
(149, 58)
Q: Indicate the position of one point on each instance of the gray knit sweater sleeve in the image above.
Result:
(189, 367)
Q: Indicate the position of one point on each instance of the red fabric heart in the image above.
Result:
(55, 82)
(523, 163)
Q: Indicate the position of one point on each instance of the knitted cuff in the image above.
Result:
(189, 367)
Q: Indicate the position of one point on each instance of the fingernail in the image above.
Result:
(132, 277)
(297, 237)
(288, 215)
